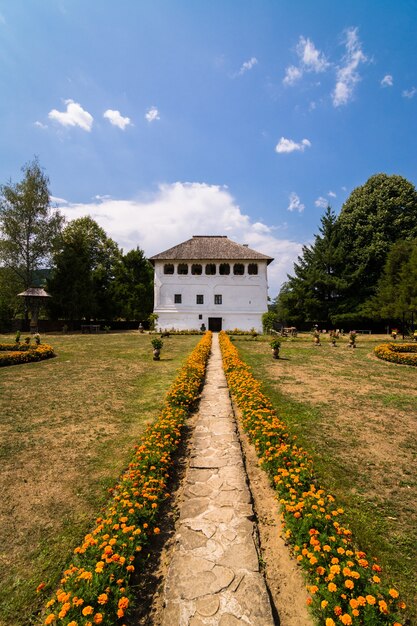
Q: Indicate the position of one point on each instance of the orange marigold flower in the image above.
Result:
(309, 601)
(402, 605)
(87, 610)
(393, 593)
(353, 603)
(330, 622)
(98, 618)
(355, 613)
(73, 623)
(370, 599)
(346, 619)
(40, 587)
(361, 600)
(376, 579)
(383, 606)
(337, 610)
(103, 598)
(349, 584)
(50, 619)
(156, 530)
(123, 603)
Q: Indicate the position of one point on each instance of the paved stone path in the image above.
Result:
(213, 577)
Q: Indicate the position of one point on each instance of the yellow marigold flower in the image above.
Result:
(376, 579)
(331, 587)
(393, 593)
(335, 569)
(323, 604)
(50, 603)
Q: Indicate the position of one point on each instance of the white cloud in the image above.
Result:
(182, 210)
(321, 202)
(75, 115)
(347, 75)
(57, 200)
(40, 125)
(248, 65)
(387, 81)
(117, 119)
(288, 145)
(295, 203)
(311, 59)
(292, 74)
(332, 194)
(152, 114)
(409, 93)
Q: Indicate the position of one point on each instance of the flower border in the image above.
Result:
(402, 353)
(15, 354)
(95, 586)
(345, 586)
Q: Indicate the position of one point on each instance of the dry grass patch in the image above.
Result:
(357, 416)
(67, 429)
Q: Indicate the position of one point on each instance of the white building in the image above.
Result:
(210, 280)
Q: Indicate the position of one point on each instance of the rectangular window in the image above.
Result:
(217, 299)
(177, 298)
(200, 299)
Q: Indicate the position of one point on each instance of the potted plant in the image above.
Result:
(316, 336)
(157, 344)
(352, 339)
(275, 345)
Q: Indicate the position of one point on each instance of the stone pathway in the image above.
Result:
(213, 577)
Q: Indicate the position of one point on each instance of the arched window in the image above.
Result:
(210, 269)
(182, 268)
(238, 269)
(168, 268)
(252, 268)
(196, 269)
(224, 269)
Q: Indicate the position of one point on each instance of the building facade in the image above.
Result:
(211, 281)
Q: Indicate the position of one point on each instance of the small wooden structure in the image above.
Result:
(34, 298)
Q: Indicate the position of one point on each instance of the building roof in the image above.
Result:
(210, 247)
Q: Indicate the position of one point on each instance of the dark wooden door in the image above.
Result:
(215, 324)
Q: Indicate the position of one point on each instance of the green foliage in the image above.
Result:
(157, 343)
(315, 291)
(374, 217)
(336, 278)
(153, 318)
(81, 282)
(29, 228)
(132, 288)
(397, 288)
(268, 320)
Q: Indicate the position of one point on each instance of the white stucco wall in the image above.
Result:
(244, 298)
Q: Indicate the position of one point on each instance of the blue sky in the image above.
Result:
(168, 118)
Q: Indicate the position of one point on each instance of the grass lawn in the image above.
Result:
(67, 429)
(356, 415)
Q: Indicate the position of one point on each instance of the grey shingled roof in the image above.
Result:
(210, 247)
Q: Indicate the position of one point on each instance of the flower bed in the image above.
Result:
(95, 586)
(14, 354)
(345, 585)
(403, 353)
